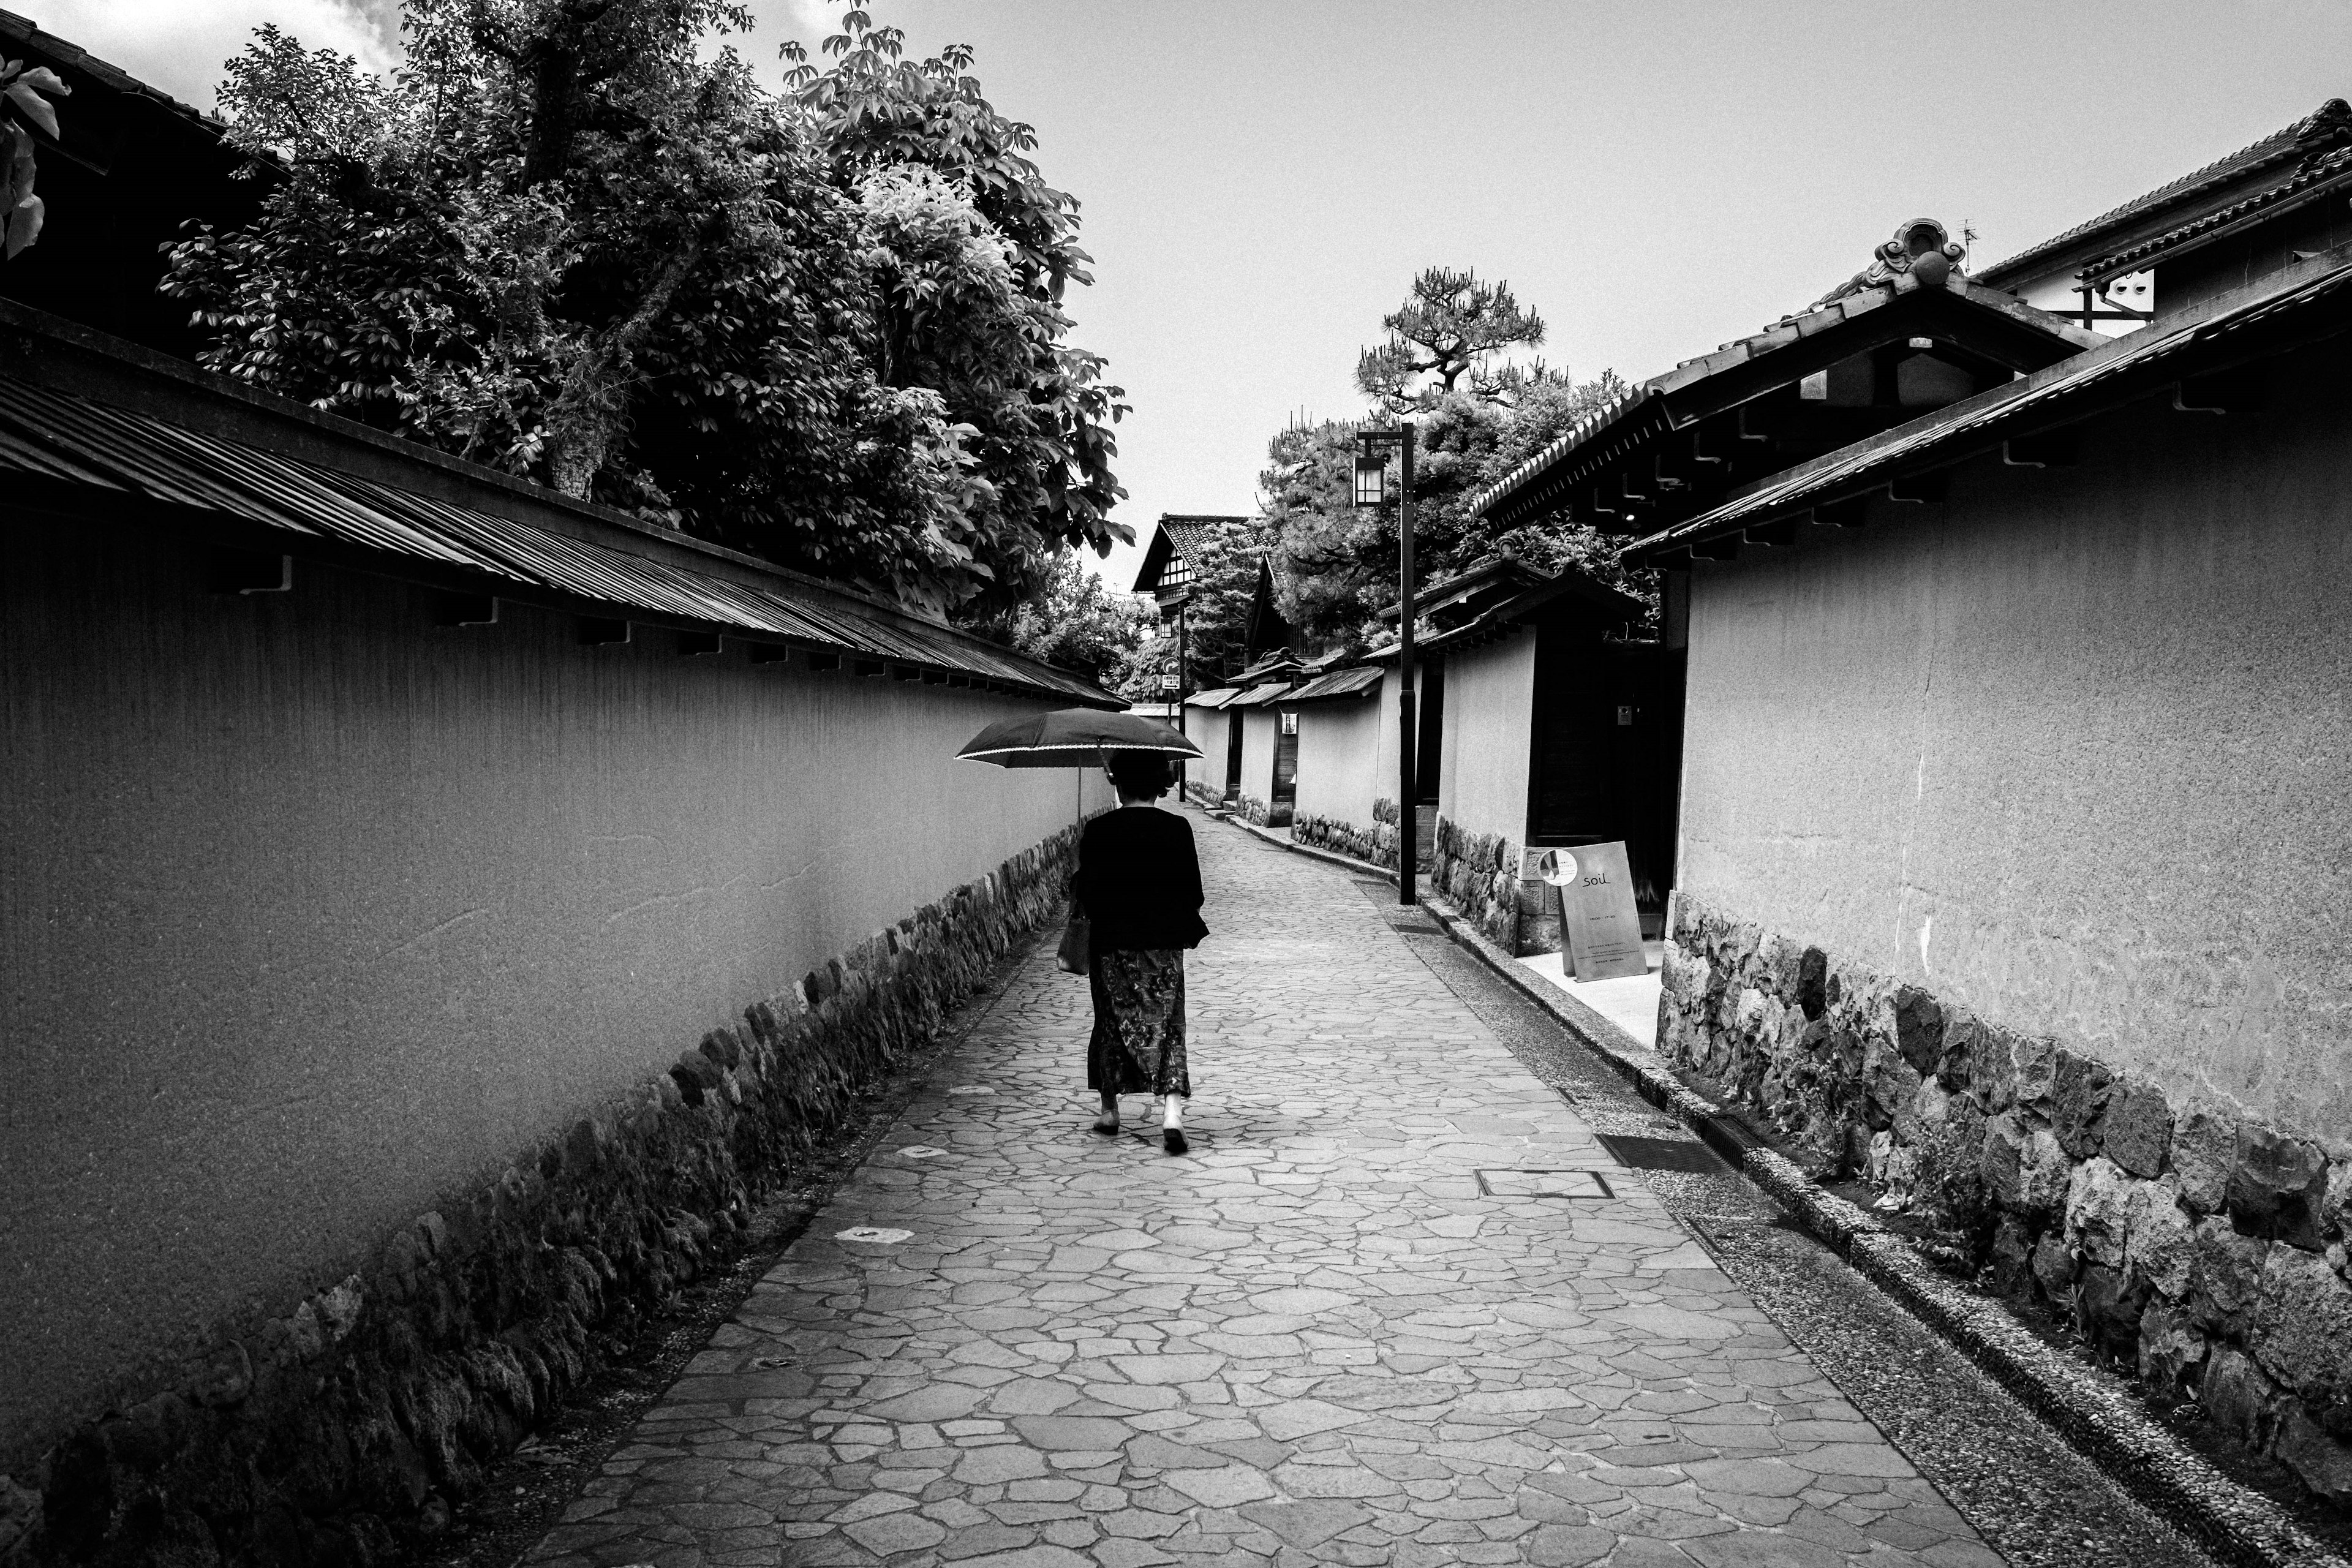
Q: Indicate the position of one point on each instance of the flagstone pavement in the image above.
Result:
(1340, 1330)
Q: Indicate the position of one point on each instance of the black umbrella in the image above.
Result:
(1073, 738)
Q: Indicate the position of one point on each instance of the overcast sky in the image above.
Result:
(1260, 180)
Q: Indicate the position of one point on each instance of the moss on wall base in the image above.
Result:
(2205, 1252)
(335, 1433)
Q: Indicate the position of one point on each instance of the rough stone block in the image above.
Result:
(2012, 1255)
(2033, 1064)
(2203, 1147)
(2324, 1462)
(2236, 1394)
(2277, 1186)
(2078, 1103)
(2139, 1127)
(2096, 1198)
(2171, 1351)
(2303, 1327)
(1812, 983)
(2227, 1279)
(2160, 1244)
(1964, 1034)
(2107, 1307)
(2023, 1168)
(2053, 1268)
(1918, 1029)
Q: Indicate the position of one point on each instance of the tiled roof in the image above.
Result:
(2278, 146)
(1191, 533)
(1355, 682)
(2311, 180)
(1788, 329)
(1260, 694)
(171, 461)
(1186, 535)
(1217, 699)
(2294, 306)
(23, 30)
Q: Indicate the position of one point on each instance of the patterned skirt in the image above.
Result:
(1138, 1045)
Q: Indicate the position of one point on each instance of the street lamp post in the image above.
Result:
(1371, 484)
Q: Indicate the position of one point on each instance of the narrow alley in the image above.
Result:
(1398, 1306)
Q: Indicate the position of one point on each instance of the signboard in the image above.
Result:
(1168, 680)
(1601, 927)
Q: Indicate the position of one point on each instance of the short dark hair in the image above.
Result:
(1141, 772)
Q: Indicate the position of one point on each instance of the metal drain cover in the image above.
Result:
(1663, 1153)
(1544, 1185)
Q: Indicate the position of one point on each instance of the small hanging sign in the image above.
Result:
(1603, 929)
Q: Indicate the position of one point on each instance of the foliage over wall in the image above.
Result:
(1076, 624)
(826, 327)
(1336, 563)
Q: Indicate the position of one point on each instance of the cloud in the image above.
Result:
(178, 46)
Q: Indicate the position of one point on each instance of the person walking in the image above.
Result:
(1139, 885)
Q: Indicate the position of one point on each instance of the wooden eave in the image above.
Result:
(2208, 359)
(1701, 430)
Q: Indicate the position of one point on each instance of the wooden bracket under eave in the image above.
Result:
(465, 609)
(2230, 392)
(1920, 487)
(247, 572)
(2049, 449)
(698, 645)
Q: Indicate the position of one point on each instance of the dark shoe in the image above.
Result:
(1172, 1140)
(1107, 1126)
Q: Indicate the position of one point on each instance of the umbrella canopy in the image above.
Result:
(1073, 738)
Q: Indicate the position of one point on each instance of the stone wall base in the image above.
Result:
(1251, 809)
(337, 1433)
(1479, 873)
(1376, 844)
(2204, 1251)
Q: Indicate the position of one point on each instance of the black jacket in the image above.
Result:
(1139, 880)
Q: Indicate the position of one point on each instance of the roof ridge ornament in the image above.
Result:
(2328, 128)
(1921, 255)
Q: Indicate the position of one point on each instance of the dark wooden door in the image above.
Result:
(1280, 809)
(1607, 759)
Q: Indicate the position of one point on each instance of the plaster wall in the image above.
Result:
(1488, 727)
(2072, 748)
(314, 911)
(1208, 728)
(1340, 771)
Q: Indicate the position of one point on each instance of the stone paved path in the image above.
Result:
(1340, 1330)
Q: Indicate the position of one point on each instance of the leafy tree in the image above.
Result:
(1451, 325)
(21, 104)
(1077, 624)
(988, 335)
(1338, 561)
(565, 239)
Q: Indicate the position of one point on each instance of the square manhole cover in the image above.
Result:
(1663, 1153)
(1544, 1185)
